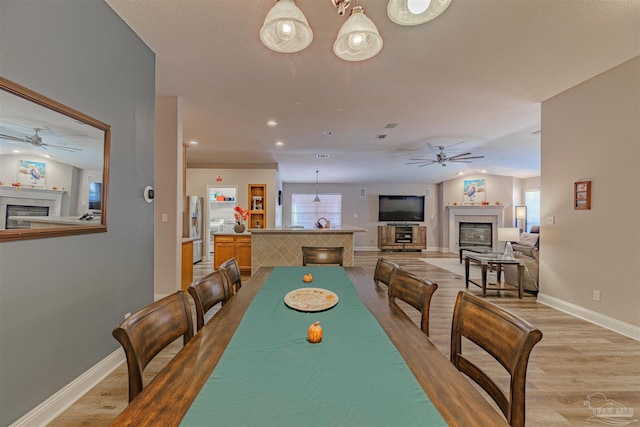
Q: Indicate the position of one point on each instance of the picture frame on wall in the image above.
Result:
(32, 173)
(582, 195)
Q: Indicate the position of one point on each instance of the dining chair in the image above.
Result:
(322, 255)
(148, 331)
(208, 291)
(383, 271)
(231, 268)
(506, 337)
(415, 291)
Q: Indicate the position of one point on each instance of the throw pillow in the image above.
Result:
(528, 239)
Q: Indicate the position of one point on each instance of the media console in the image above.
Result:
(402, 237)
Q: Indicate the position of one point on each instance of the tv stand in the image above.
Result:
(405, 237)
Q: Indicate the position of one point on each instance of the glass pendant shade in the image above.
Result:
(400, 11)
(358, 38)
(285, 28)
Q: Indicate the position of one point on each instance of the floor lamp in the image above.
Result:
(521, 215)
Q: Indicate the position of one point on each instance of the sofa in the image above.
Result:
(527, 250)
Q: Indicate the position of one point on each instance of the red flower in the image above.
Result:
(240, 214)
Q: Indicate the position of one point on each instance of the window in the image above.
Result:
(306, 213)
(532, 201)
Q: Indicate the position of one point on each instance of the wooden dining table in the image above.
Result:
(167, 399)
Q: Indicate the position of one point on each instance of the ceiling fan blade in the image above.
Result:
(13, 138)
(458, 155)
(62, 147)
(426, 162)
(467, 158)
(459, 161)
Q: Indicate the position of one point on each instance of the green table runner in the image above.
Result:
(270, 375)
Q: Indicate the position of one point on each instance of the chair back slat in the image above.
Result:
(148, 331)
(322, 255)
(415, 291)
(208, 291)
(234, 277)
(383, 271)
(505, 336)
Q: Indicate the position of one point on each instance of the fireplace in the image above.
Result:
(475, 234)
(22, 210)
(489, 214)
(37, 197)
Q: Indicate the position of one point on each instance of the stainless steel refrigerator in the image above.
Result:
(195, 225)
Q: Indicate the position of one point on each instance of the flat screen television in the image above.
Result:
(95, 196)
(401, 208)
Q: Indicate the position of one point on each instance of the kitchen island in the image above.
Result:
(283, 246)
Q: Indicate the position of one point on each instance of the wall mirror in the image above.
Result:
(54, 167)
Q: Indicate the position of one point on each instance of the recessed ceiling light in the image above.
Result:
(16, 151)
(47, 156)
(483, 171)
(279, 143)
(460, 173)
(327, 132)
(272, 123)
(193, 142)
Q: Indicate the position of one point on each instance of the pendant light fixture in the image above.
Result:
(285, 28)
(317, 199)
(358, 38)
(415, 12)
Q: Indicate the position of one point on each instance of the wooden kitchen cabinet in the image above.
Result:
(226, 246)
(187, 264)
(257, 205)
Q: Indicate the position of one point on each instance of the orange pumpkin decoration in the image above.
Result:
(307, 278)
(314, 333)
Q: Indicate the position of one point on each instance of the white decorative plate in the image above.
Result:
(311, 299)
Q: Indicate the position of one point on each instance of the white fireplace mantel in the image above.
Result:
(9, 195)
(486, 213)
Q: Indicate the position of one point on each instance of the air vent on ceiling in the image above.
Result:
(379, 136)
(322, 156)
(390, 125)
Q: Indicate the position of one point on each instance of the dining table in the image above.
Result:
(252, 364)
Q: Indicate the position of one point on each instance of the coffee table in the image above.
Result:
(478, 250)
(497, 261)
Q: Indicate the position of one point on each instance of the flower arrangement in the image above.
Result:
(240, 214)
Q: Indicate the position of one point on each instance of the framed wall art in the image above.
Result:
(582, 195)
(32, 173)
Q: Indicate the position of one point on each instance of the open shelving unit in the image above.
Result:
(257, 205)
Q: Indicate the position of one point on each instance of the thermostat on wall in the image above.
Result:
(148, 194)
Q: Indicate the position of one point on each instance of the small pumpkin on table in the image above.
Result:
(314, 333)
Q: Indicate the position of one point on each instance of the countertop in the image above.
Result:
(341, 230)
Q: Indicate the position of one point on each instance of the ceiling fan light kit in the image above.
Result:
(415, 12)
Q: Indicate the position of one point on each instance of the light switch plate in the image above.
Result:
(551, 219)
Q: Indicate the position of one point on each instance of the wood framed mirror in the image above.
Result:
(54, 167)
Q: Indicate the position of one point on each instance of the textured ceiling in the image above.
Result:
(472, 80)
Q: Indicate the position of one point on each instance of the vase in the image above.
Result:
(238, 228)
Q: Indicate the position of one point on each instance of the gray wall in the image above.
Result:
(591, 132)
(61, 297)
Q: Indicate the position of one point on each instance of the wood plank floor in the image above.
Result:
(574, 359)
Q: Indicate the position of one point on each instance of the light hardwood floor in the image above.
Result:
(574, 359)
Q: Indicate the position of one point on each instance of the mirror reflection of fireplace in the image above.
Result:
(475, 234)
(22, 211)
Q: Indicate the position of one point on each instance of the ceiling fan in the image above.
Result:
(36, 141)
(442, 159)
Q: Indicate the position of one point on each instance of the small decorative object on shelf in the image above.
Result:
(17, 185)
(240, 215)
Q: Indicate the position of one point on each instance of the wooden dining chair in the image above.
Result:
(506, 337)
(148, 331)
(208, 291)
(415, 291)
(322, 255)
(383, 271)
(234, 278)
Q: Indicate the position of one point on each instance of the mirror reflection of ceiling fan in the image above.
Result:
(36, 141)
(442, 159)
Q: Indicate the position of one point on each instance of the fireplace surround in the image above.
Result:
(492, 214)
(51, 199)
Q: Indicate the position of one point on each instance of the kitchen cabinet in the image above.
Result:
(226, 246)
(187, 264)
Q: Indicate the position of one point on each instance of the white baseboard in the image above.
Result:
(594, 317)
(48, 410)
